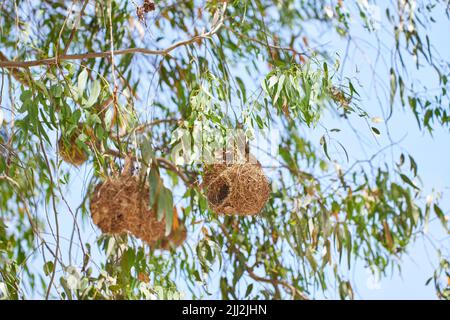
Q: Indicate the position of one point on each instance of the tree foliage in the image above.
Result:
(90, 82)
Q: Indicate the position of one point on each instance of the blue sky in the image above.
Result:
(432, 154)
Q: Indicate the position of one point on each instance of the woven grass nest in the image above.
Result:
(120, 204)
(240, 188)
(68, 149)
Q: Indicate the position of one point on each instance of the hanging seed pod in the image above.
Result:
(145, 8)
(241, 189)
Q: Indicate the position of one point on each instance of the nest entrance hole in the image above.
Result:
(241, 189)
(219, 191)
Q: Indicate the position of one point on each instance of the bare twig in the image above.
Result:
(75, 27)
(141, 128)
(266, 44)
(166, 164)
(19, 76)
(34, 227)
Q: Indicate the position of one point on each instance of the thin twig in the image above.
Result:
(266, 44)
(34, 227)
(166, 164)
(141, 128)
(75, 27)
(55, 212)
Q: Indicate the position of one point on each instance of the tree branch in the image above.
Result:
(105, 54)
(164, 163)
(75, 27)
(271, 46)
(141, 128)
(275, 282)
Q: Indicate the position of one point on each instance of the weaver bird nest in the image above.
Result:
(68, 149)
(120, 204)
(240, 188)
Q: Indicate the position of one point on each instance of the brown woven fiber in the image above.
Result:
(69, 151)
(147, 227)
(212, 171)
(241, 188)
(106, 211)
(120, 204)
(72, 153)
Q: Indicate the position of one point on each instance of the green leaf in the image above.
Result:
(224, 288)
(413, 165)
(325, 71)
(95, 92)
(393, 84)
(56, 91)
(165, 207)
(48, 268)
(259, 122)
(82, 79)
(249, 290)
(311, 260)
(272, 81)
(408, 181)
(402, 90)
(279, 88)
(440, 215)
(147, 151)
(323, 143)
(376, 131)
(242, 88)
(238, 272)
(92, 119)
(168, 200)
(66, 288)
(352, 89)
(155, 184)
(402, 160)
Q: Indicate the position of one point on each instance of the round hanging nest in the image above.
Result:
(120, 204)
(68, 149)
(106, 214)
(72, 153)
(240, 188)
(212, 172)
(146, 226)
